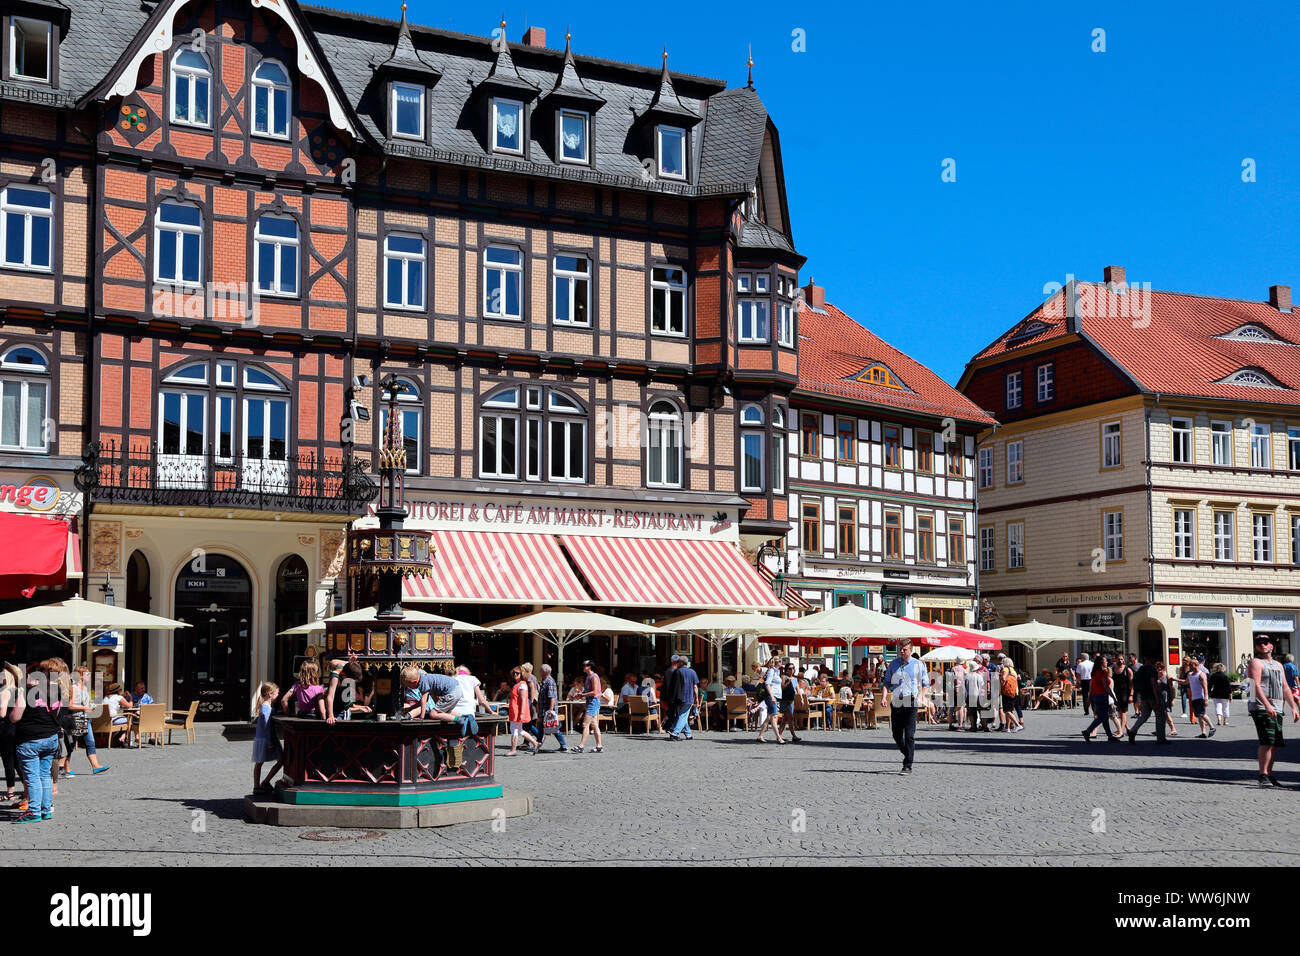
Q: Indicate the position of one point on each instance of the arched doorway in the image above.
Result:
(212, 661)
(1151, 641)
(290, 611)
(137, 599)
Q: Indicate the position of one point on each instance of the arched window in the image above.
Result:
(272, 92)
(26, 228)
(409, 407)
(664, 446)
(24, 400)
(751, 448)
(778, 449)
(275, 255)
(178, 243)
(191, 87)
(554, 433)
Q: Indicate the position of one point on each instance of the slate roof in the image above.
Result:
(834, 349)
(759, 235)
(1172, 343)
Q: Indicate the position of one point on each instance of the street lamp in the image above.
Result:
(778, 582)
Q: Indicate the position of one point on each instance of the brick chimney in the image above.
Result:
(1114, 275)
(534, 36)
(814, 294)
(1279, 297)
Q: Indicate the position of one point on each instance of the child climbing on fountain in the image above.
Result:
(265, 746)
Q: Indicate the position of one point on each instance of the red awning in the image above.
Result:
(33, 553)
(960, 637)
(494, 567)
(658, 572)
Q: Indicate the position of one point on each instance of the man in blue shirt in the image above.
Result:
(905, 679)
(688, 697)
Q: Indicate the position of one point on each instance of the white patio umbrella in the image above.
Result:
(1034, 634)
(563, 626)
(856, 625)
(77, 621)
(368, 614)
(718, 627)
(948, 655)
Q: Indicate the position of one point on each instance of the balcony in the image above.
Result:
(147, 476)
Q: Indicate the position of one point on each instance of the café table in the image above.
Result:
(817, 704)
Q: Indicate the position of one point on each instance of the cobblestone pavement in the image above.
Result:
(1029, 798)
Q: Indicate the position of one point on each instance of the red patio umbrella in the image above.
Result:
(953, 636)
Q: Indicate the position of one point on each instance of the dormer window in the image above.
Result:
(671, 147)
(271, 96)
(408, 110)
(191, 87)
(507, 126)
(1251, 377)
(30, 46)
(573, 136)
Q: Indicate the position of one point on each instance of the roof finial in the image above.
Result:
(750, 84)
(503, 23)
(568, 35)
(665, 56)
(403, 9)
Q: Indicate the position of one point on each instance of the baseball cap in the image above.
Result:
(674, 659)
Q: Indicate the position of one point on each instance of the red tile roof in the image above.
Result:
(1172, 343)
(834, 349)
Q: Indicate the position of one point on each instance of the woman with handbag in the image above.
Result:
(80, 708)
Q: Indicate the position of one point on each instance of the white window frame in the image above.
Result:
(664, 432)
(1112, 445)
(671, 290)
(1221, 439)
(504, 271)
(185, 396)
(280, 243)
(267, 402)
(1225, 535)
(1045, 378)
(398, 132)
(747, 321)
(1112, 535)
(985, 470)
(660, 154)
(1262, 550)
(1184, 533)
(785, 325)
(192, 75)
(1015, 389)
(1185, 436)
(988, 549)
(1261, 446)
(779, 438)
(14, 46)
(270, 87)
(572, 278)
(391, 255)
(1295, 539)
(499, 418)
(178, 231)
(1015, 546)
(586, 136)
(1015, 461)
(33, 376)
(751, 445)
(410, 406)
(8, 208)
(1293, 448)
(572, 424)
(518, 107)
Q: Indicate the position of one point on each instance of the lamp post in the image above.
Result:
(779, 583)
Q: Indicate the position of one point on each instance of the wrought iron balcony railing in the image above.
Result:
(148, 476)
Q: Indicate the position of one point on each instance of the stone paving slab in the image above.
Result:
(1042, 797)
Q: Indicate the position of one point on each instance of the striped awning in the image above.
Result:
(496, 567)
(73, 563)
(656, 572)
(793, 599)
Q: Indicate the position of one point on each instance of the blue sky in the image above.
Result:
(1067, 160)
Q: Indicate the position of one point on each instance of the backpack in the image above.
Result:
(1010, 684)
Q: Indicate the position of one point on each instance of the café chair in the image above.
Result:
(737, 710)
(152, 720)
(182, 720)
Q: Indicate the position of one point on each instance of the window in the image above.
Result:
(753, 318)
(191, 88)
(566, 450)
(183, 423)
(266, 430)
(954, 460)
(408, 110)
(502, 278)
(573, 136)
(751, 450)
(1221, 443)
(985, 468)
(664, 446)
(1181, 432)
(845, 440)
(1261, 527)
(956, 541)
(1295, 539)
(1261, 452)
(1111, 445)
(508, 126)
(846, 531)
(785, 325)
(672, 152)
(1112, 535)
(26, 228)
(988, 551)
(893, 446)
(894, 535)
(1293, 449)
(668, 301)
(1046, 375)
(408, 411)
(24, 400)
(1015, 389)
(572, 276)
(925, 452)
(1225, 548)
(30, 44)
(498, 434)
(778, 450)
(275, 248)
(810, 527)
(1184, 533)
(1015, 462)
(925, 539)
(810, 433)
(404, 267)
(178, 244)
(1016, 545)
(271, 92)
(879, 375)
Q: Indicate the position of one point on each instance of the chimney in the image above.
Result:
(814, 294)
(534, 36)
(1114, 276)
(1279, 297)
